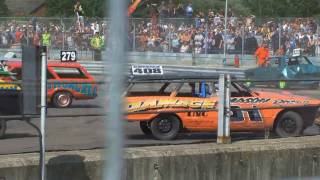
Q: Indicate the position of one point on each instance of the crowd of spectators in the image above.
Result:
(205, 34)
(173, 29)
(60, 35)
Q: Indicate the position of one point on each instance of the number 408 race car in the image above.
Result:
(165, 105)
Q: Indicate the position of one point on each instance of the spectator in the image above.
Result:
(46, 38)
(79, 13)
(185, 48)
(97, 44)
(175, 42)
(251, 44)
(36, 39)
(189, 10)
(262, 54)
(238, 43)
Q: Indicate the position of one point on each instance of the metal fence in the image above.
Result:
(200, 35)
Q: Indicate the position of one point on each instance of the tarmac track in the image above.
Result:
(87, 131)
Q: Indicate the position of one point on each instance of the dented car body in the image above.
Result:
(66, 81)
(166, 107)
(292, 71)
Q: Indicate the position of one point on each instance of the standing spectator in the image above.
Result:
(262, 54)
(175, 43)
(79, 13)
(179, 11)
(238, 43)
(198, 42)
(36, 39)
(97, 44)
(189, 10)
(218, 42)
(19, 35)
(251, 44)
(185, 48)
(46, 38)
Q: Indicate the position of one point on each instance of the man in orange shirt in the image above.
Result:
(262, 54)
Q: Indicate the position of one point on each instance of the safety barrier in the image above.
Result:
(97, 68)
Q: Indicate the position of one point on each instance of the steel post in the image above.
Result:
(225, 33)
(224, 110)
(221, 108)
(114, 107)
(227, 110)
(43, 112)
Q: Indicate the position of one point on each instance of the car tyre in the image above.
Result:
(290, 124)
(165, 127)
(145, 127)
(62, 99)
(3, 128)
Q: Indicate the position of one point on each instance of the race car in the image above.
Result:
(66, 81)
(292, 71)
(164, 106)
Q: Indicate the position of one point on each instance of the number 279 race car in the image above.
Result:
(165, 106)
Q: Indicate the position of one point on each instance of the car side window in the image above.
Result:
(302, 60)
(68, 72)
(292, 61)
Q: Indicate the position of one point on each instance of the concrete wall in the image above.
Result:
(292, 158)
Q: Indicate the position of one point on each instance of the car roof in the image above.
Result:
(54, 63)
(176, 77)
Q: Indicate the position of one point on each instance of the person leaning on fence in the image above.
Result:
(262, 54)
(97, 44)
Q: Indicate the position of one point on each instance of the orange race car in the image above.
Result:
(66, 81)
(166, 106)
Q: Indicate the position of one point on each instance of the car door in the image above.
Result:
(200, 95)
(245, 112)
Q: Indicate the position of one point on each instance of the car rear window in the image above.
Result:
(66, 72)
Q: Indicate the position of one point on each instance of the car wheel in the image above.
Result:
(290, 124)
(3, 128)
(145, 127)
(165, 127)
(62, 99)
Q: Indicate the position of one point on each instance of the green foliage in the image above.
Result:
(260, 8)
(4, 11)
(283, 8)
(64, 8)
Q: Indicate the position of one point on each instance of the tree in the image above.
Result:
(64, 8)
(283, 8)
(4, 11)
